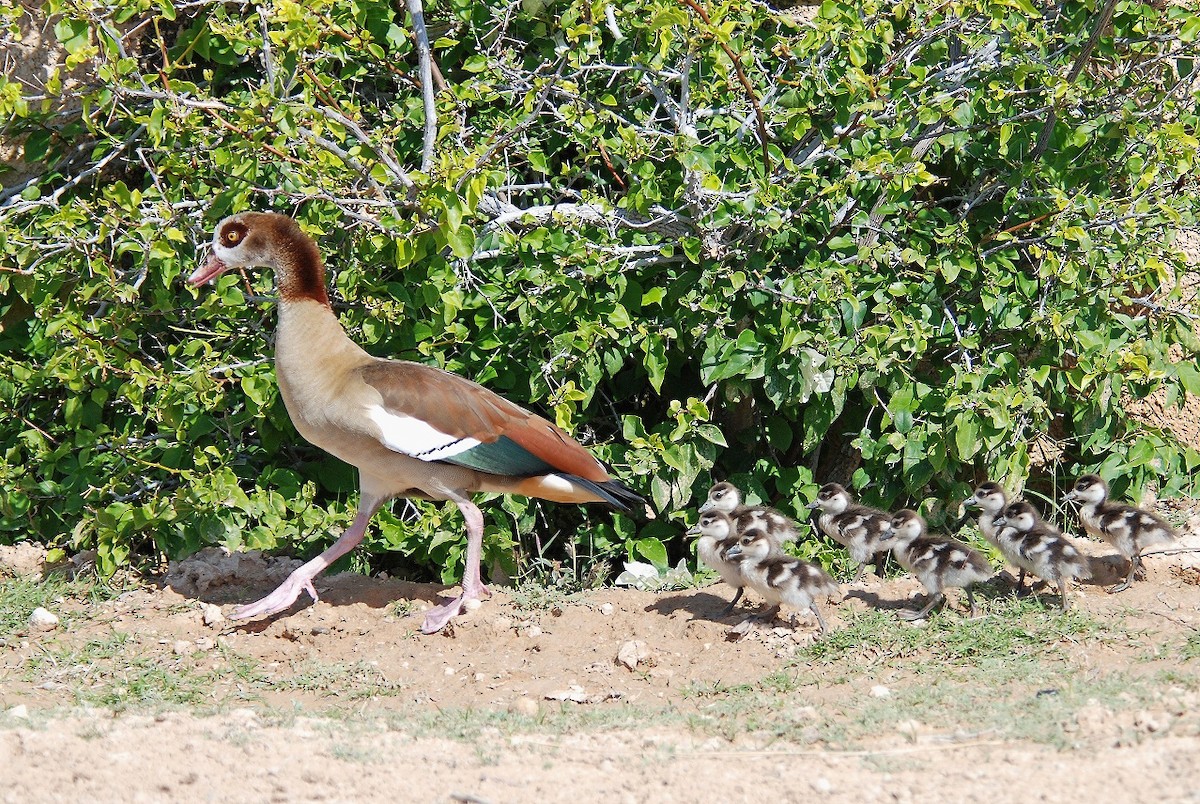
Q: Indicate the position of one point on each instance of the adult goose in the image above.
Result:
(411, 430)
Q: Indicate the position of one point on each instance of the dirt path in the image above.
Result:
(625, 695)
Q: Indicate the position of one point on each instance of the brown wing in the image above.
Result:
(512, 439)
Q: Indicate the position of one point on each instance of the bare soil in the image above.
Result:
(618, 694)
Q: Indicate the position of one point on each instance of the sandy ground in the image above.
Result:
(613, 694)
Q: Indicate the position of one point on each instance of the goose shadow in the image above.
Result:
(875, 601)
(702, 606)
(220, 578)
(1106, 570)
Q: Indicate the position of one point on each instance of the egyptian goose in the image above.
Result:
(1125, 527)
(991, 501)
(726, 497)
(411, 430)
(1033, 544)
(779, 578)
(856, 527)
(938, 562)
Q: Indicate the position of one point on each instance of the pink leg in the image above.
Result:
(301, 580)
(472, 584)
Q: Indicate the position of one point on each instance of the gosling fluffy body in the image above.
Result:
(1127, 528)
(937, 562)
(727, 498)
(1036, 546)
(717, 533)
(858, 528)
(781, 579)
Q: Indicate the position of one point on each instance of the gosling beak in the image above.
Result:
(705, 507)
(694, 530)
(812, 505)
(734, 552)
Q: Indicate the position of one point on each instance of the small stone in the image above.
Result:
(212, 615)
(20, 711)
(533, 632)
(632, 653)
(205, 643)
(740, 631)
(472, 604)
(524, 706)
(880, 691)
(449, 671)
(822, 785)
(182, 647)
(607, 609)
(42, 620)
(805, 713)
(574, 693)
(1151, 722)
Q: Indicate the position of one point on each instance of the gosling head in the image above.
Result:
(831, 499)
(753, 546)
(713, 524)
(989, 497)
(1089, 490)
(724, 497)
(1020, 516)
(905, 526)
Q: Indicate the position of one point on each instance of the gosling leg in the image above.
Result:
(935, 601)
(820, 620)
(733, 603)
(1125, 584)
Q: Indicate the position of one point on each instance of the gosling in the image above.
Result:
(779, 578)
(718, 533)
(1033, 544)
(991, 501)
(727, 498)
(856, 527)
(1131, 530)
(937, 561)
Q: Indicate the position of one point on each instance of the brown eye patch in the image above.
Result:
(232, 234)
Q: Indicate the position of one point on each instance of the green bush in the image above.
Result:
(707, 238)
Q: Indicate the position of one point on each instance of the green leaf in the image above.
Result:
(654, 551)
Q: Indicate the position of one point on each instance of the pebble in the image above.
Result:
(524, 706)
(183, 647)
(822, 785)
(212, 615)
(471, 604)
(42, 620)
(533, 632)
(449, 671)
(880, 691)
(607, 609)
(1152, 722)
(19, 711)
(633, 652)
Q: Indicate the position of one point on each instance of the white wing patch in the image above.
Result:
(417, 438)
